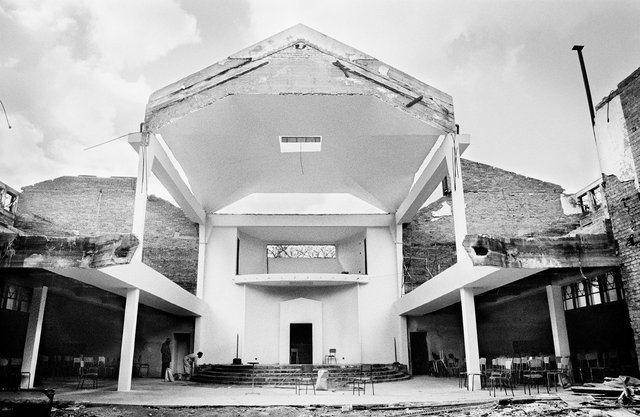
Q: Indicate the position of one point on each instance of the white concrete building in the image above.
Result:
(302, 120)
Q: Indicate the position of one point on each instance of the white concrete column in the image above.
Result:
(397, 236)
(470, 332)
(128, 339)
(558, 322)
(202, 250)
(145, 160)
(457, 201)
(32, 342)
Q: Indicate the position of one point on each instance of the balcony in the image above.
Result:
(301, 279)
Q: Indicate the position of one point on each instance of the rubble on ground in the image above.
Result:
(588, 406)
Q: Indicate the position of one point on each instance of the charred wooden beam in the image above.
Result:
(542, 252)
(33, 251)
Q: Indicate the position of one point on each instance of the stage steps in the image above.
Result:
(286, 375)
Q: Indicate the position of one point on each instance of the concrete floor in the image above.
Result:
(150, 391)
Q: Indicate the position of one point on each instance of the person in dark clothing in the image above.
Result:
(165, 350)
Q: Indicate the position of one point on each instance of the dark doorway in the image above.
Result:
(419, 353)
(181, 347)
(301, 347)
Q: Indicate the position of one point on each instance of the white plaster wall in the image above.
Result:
(263, 322)
(253, 255)
(225, 316)
(310, 265)
(612, 139)
(379, 324)
(300, 310)
(350, 254)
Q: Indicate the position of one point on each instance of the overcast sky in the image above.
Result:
(76, 73)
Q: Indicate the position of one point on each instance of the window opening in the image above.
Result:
(606, 288)
(567, 296)
(301, 251)
(16, 298)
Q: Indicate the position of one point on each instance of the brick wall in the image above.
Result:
(91, 206)
(498, 203)
(623, 201)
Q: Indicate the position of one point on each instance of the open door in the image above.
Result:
(419, 353)
(301, 343)
(182, 347)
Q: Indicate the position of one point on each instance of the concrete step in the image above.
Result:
(286, 375)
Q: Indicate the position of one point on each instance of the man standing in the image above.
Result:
(190, 362)
(165, 351)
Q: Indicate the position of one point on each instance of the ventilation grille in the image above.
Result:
(300, 143)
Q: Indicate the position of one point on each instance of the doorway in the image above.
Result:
(419, 353)
(182, 348)
(300, 343)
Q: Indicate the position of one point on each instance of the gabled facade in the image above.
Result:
(300, 115)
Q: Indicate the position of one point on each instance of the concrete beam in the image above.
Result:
(443, 290)
(581, 251)
(301, 220)
(30, 251)
(434, 170)
(157, 291)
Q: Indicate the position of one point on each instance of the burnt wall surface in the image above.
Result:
(506, 327)
(623, 202)
(498, 203)
(91, 206)
(73, 327)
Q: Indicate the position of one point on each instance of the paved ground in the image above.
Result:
(149, 391)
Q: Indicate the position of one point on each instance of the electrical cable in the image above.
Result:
(5, 114)
(110, 140)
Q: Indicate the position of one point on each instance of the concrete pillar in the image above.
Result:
(470, 332)
(458, 208)
(32, 342)
(202, 250)
(145, 160)
(128, 339)
(558, 322)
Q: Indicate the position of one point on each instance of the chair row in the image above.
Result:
(532, 371)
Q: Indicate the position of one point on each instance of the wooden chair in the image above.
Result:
(365, 377)
(306, 379)
(88, 373)
(563, 370)
(593, 363)
(534, 375)
(501, 377)
(331, 357)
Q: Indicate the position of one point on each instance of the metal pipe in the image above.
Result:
(579, 48)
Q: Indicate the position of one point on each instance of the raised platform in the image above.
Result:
(285, 375)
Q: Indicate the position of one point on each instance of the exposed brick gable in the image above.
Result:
(498, 203)
(92, 206)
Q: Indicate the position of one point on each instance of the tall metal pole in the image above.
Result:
(579, 48)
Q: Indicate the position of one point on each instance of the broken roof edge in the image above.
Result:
(592, 250)
(299, 33)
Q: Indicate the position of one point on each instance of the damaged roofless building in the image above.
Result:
(301, 116)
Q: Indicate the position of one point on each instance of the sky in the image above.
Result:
(77, 73)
